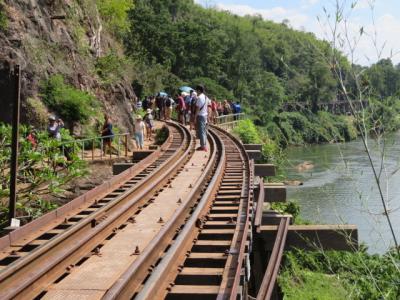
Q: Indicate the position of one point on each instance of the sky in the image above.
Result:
(379, 20)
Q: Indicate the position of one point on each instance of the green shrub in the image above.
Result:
(69, 103)
(115, 13)
(112, 68)
(44, 171)
(161, 135)
(271, 151)
(295, 128)
(247, 132)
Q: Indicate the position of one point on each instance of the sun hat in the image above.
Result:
(138, 118)
(52, 118)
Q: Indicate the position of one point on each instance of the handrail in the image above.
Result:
(220, 120)
(93, 146)
(94, 138)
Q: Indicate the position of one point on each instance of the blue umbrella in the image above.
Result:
(186, 89)
(163, 94)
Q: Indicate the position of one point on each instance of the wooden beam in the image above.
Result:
(275, 193)
(313, 237)
(264, 170)
(253, 147)
(254, 154)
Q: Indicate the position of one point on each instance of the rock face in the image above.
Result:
(65, 37)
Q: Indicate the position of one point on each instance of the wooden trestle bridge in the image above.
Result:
(179, 224)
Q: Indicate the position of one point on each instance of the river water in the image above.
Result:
(341, 189)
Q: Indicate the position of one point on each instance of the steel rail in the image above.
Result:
(26, 277)
(233, 268)
(131, 280)
(269, 280)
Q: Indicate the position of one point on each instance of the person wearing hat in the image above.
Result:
(139, 132)
(149, 122)
(54, 127)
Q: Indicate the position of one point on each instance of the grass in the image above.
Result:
(307, 285)
(340, 275)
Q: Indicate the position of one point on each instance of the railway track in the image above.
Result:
(205, 258)
(44, 252)
(198, 250)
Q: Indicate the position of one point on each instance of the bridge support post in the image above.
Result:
(15, 145)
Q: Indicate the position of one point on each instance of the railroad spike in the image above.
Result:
(179, 201)
(96, 251)
(160, 220)
(190, 186)
(69, 268)
(199, 223)
(137, 251)
(14, 253)
(132, 220)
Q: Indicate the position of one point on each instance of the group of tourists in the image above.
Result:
(192, 107)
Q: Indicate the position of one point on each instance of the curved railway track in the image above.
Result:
(198, 253)
(43, 253)
(204, 260)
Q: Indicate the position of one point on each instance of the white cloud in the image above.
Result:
(277, 14)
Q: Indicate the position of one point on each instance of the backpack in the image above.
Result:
(168, 102)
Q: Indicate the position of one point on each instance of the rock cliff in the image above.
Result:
(67, 37)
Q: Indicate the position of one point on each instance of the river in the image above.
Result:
(341, 189)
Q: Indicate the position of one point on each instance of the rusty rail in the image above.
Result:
(233, 269)
(271, 274)
(28, 276)
(209, 226)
